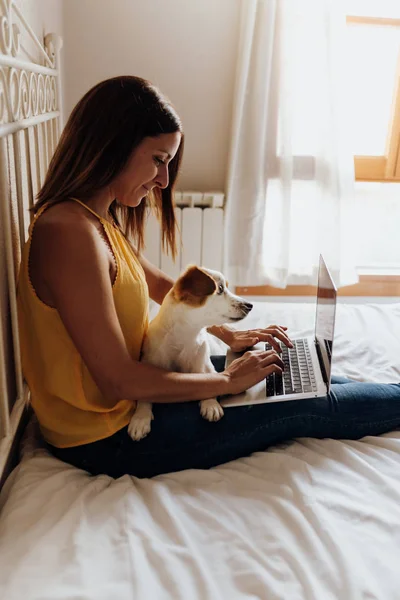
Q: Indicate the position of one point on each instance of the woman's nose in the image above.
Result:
(162, 178)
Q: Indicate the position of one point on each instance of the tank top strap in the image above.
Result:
(89, 209)
(41, 211)
(37, 215)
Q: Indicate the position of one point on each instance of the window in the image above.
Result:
(373, 41)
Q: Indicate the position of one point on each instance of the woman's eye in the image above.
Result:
(158, 161)
(220, 288)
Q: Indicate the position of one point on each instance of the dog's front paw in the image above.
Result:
(211, 410)
(140, 426)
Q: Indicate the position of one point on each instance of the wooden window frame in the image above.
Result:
(368, 285)
(387, 167)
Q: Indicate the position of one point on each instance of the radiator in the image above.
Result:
(200, 219)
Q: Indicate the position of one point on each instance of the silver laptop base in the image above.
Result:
(308, 376)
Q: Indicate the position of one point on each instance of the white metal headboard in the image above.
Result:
(30, 125)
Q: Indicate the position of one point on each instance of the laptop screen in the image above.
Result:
(325, 317)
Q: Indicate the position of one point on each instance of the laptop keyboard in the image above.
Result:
(298, 374)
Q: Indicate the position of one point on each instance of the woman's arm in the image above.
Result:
(222, 332)
(239, 340)
(159, 283)
(75, 268)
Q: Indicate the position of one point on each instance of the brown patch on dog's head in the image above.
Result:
(194, 286)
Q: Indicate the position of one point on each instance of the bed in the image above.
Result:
(309, 519)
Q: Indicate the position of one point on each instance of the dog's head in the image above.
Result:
(205, 294)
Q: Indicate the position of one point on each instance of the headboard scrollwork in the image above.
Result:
(30, 125)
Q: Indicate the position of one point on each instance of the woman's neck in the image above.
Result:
(100, 203)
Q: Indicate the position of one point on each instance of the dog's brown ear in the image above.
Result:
(194, 282)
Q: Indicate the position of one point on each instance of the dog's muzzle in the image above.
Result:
(246, 307)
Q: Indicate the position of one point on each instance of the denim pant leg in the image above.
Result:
(338, 379)
(181, 439)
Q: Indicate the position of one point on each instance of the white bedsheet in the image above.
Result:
(313, 519)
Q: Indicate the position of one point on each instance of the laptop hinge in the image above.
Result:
(322, 364)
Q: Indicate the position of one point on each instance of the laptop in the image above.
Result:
(307, 372)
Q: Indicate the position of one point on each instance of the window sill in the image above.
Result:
(371, 285)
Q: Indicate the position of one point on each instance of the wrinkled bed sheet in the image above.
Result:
(311, 519)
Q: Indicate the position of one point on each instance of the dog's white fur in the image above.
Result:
(177, 338)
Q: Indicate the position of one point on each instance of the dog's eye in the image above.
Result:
(220, 288)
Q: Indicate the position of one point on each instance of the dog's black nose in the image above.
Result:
(248, 306)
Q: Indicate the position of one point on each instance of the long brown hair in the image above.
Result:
(104, 128)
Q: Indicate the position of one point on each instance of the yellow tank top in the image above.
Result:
(69, 406)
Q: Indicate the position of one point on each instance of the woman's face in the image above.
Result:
(146, 168)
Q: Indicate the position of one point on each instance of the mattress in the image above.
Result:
(309, 519)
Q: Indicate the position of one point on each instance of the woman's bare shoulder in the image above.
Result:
(63, 225)
(64, 237)
(64, 215)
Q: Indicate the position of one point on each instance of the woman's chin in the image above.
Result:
(133, 202)
(140, 198)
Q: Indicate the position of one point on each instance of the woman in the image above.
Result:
(83, 309)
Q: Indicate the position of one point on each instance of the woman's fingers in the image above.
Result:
(265, 357)
(272, 357)
(274, 331)
(272, 369)
(270, 338)
(251, 368)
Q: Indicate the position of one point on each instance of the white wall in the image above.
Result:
(187, 48)
(44, 16)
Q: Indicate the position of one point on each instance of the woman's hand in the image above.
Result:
(242, 340)
(251, 368)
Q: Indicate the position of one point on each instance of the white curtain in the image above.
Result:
(291, 173)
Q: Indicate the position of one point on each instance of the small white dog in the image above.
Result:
(177, 339)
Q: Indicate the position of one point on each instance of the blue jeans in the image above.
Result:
(181, 439)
